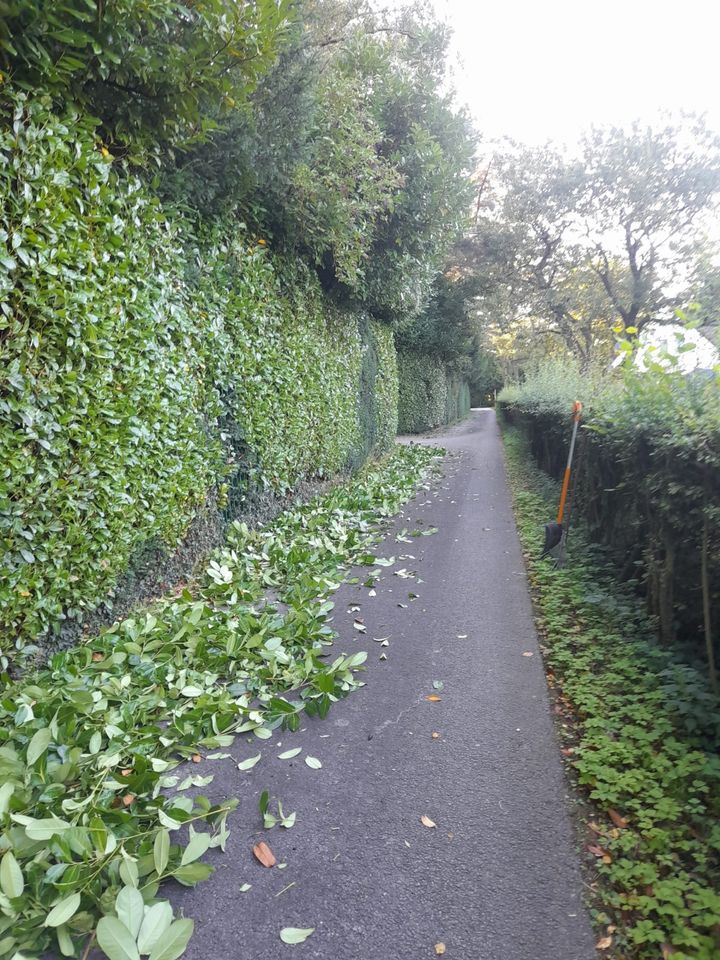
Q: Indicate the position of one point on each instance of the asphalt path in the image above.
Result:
(497, 878)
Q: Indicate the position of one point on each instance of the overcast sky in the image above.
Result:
(548, 69)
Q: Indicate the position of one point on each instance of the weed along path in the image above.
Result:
(436, 813)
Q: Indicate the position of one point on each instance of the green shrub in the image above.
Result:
(429, 394)
(145, 362)
(648, 470)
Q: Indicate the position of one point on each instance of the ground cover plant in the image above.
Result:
(641, 734)
(93, 818)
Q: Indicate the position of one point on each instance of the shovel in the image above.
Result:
(554, 529)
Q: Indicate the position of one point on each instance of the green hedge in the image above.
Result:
(648, 481)
(146, 362)
(430, 395)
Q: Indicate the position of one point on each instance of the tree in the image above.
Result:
(599, 244)
(148, 69)
(645, 192)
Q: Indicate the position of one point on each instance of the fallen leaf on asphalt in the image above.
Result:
(289, 754)
(438, 684)
(427, 822)
(245, 887)
(381, 639)
(295, 934)
(359, 626)
(249, 763)
(439, 949)
(196, 758)
(617, 819)
(435, 735)
(528, 653)
(434, 697)
(313, 763)
(403, 605)
(264, 854)
(383, 656)
(354, 608)
(604, 944)
(372, 593)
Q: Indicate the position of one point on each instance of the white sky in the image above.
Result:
(548, 69)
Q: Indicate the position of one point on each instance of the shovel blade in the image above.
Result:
(553, 536)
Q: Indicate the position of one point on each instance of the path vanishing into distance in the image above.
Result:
(497, 878)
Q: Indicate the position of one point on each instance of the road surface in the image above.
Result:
(497, 878)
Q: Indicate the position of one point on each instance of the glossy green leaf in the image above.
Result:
(161, 850)
(129, 906)
(174, 941)
(295, 934)
(156, 921)
(12, 882)
(115, 940)
(63, 911)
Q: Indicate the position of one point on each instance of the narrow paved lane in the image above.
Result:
(497, 878)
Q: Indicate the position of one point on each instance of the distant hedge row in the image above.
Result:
(144, 363)
(648, 484)
(430, 394)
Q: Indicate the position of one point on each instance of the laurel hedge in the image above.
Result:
(147, 362)
(430, 393)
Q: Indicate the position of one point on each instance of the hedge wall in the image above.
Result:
(145, 363)
(648, 485)
(430, 395)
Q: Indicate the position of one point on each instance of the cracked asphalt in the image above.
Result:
(497, 878)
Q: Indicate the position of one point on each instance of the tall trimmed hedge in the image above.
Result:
(648, 483)
(430, 394)
(145, 362)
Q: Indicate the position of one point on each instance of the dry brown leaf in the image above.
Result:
(435, 735)
(668, 950)
(617, 819)
(97, 656)
(128, 799)
(196, 758)
(596, 828)
(528, 653)
(264, 854)
(439, 949)
(604, 944)
(427, 822)
(434, 697)
(126, 772)
(596, 851)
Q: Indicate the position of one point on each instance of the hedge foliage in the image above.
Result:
(648, 472)
(146, 361)
(431, 393)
